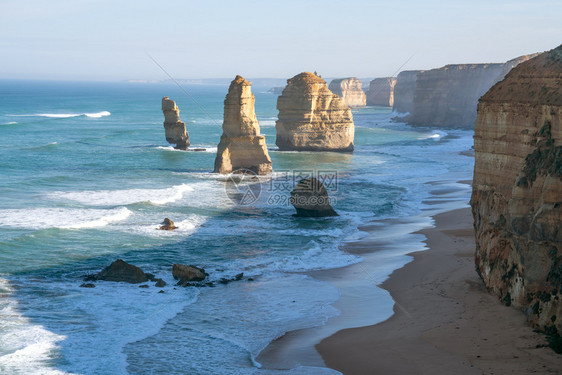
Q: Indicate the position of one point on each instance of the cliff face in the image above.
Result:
(448, 96)
(381, 92)
(174, 129)
(404, 90)
(517, 189)
(312, 118)
(241, 145)
(349, 89)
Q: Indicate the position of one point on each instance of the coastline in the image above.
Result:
(444, 320)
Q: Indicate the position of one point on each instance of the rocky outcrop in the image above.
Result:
(448, 96)
(186, 274)
(404, 90)
(312, 118)
(381, 92)
(168, 224)
(517, 189)
(241, 145)
(120, 271)
(310, 199)
(174, 128)
(350, 91)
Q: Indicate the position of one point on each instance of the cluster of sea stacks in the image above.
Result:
(517, 189)
(311, 118)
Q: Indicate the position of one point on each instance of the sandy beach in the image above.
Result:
(444, 320)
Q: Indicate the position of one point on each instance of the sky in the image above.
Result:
(112, 39)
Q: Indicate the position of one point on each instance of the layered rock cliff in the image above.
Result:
(175, 130)
(349, 89)
(517, 189)
(381, 92)
(448, 96)
(404, 90)
(312, 118)
(241, 145)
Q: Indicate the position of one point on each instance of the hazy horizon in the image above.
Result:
(112, 41)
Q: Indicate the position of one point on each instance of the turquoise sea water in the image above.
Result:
(86, 177)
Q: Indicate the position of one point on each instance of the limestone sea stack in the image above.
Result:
(241, 145)
(174, 128)
(404, 90)
(381, 92)
(517, 190)
(349, 89)
(312, 118)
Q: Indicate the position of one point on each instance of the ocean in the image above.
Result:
(86, 177)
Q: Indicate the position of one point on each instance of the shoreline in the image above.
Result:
(386, 246)
(444, 321)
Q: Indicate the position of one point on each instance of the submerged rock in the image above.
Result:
(312, 118)
(121, 271)
(241, 145)
(310, 199)
(186, 274)
(168, 224)
(176, 132)
(350, 91)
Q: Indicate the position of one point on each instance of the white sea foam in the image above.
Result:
(124, 197)
(211, 149)
(25, 348)
(98, 114)
(66, 115)
(128, 313)
(267, 123)
(10, 123)
(64, 218)
(434, 135)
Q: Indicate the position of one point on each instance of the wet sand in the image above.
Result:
(444, 320)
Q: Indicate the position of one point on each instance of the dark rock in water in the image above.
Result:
(160, 283)
(161, 291)
(310, 199)
(185, 273)
(87, 285)
(121, 271)
(168, 224)
(143, 286)
(198, 149)
(239, 276)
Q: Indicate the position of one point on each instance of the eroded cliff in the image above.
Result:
(448, 96)
(517, 189)
(404, 90)
(381, 92)
(241, 145)
(312, 118)
(349, 89)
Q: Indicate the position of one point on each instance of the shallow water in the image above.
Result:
(86, 177)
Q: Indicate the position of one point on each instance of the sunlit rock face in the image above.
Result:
(241, 146)
(175, 130)
(381, 92)
(312, 118)
(350, 91)
(517, 189)
(448, 96)
(404, 90)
